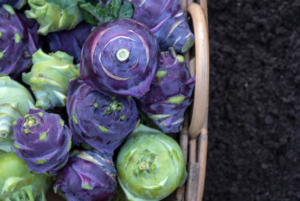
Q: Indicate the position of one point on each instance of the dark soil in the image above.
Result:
(254, 127)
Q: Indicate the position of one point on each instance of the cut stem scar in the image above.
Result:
(122, 54)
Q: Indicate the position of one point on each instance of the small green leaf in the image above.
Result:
(95, 105)
(17, 38)
(159, 116)
(129, 97)
(69, 145)
(41, 161)
(153, 167)
(26, 131)
(113, 97)
(0, 34)
(41, 114)
(61, 122)
(180, 58)
(74, 119)
(103, 129)
(63, 4)
(17, 146)
(138, 123)
(9, 9)
(1, 55)
(88, 187)
(161, 73)
(14, 122)
(43, 136)
(176, 99)
(126, 11)
(123, 117)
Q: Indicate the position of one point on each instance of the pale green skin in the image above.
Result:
(17, 183)
(15, 102)
(52, 18)
(164, 152)
(50, 89)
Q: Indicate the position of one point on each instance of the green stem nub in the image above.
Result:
(143, 166)
(5, 130)
(122, 54)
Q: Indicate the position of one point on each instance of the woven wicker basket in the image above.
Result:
(193, 137)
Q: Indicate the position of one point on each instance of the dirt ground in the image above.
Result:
(254, 131)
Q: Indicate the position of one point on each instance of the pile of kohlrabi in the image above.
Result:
(88, 91)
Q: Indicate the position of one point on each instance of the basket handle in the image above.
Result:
(200, 106)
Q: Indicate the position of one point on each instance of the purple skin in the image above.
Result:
(131, 73)
(31, 24)
(167, 22)
(42, 141)
(88, 176)
(16, 53)
(70, 41)
(99, 120)
(14, 3)
(177, 82)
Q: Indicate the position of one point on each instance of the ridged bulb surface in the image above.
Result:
(49, 78)
(120, 57)
(52, 18)
(100, 120)
(43, 141)
(16, 43)
(150, 165)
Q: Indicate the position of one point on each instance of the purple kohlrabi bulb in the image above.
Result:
(99, 120)
(167, 22)
(16, 43)
(42, 141)
(70, 41)
(88, 176)
(120, 57)
(170, 93)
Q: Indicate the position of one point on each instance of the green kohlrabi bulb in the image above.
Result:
(49, 78)
(150, 165)
(17, 183)
(52, 18)
(15, 102)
